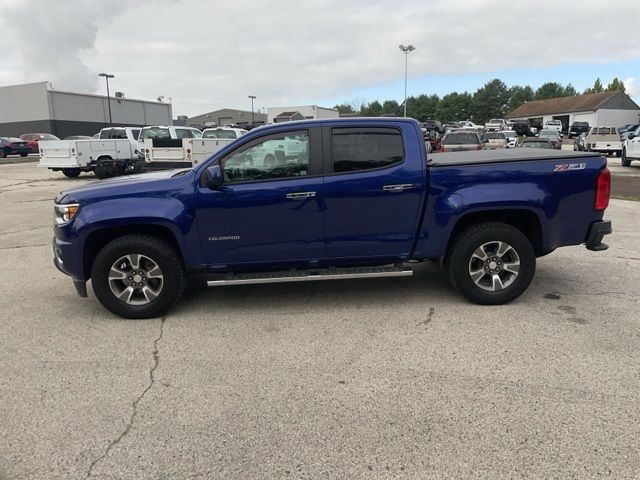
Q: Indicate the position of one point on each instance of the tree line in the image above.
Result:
(493, 100)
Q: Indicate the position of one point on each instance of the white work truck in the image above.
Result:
(114, 152)
(178, 147)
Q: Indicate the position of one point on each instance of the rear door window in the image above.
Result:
(355, 149)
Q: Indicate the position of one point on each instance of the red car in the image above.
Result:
(33, 138)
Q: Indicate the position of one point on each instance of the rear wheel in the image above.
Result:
(102, 171)
(491, 263)
(626, 162)
(71, 172)
(24, 154)
(138, 276)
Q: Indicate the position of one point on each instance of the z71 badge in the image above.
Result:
(563, 167)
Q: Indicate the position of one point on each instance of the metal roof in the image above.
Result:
(576, 103)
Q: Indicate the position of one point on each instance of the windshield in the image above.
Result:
(496, 120)
(219, 134)
(460, 139)
(535, 144)
(154, 132)
(603, 131)
(493, 136)
(509, 134)
(554, 122)
(46, 136)
(549, 134)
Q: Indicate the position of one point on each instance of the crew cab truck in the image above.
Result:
(351, 198)
(113, 153)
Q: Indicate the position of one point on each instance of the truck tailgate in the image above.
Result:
(199, 149)
(58, 154)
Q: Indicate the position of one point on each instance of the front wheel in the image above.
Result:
(23, 154)
(625, 160)
(71, 172)
(491, 263)
(138, 276)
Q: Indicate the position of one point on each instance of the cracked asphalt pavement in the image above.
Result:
(346, 379)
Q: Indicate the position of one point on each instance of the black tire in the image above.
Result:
(24, 154)
(461, 254)
(156, 249)
(618, 153)
(102, 171)
(625, 160)
(71, 172)
(3, 153)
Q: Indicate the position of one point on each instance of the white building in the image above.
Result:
(287, 114)
(598, 109)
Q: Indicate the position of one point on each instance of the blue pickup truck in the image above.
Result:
(330, 199)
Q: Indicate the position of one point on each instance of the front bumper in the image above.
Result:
(596, 232)
(61, 250)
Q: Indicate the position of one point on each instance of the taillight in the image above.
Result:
(479, 147)
(442, 149)
(603, 189)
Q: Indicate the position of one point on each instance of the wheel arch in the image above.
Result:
(527, 221)
(99, 238)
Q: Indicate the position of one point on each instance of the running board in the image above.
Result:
(310, 275)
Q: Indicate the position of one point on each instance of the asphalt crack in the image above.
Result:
(134, 405)
(432, 311)
(23, 246)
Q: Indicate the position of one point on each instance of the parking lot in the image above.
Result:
(350, 379)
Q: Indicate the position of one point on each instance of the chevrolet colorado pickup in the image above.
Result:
(329, 199)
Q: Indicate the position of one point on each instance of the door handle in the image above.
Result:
(300, 195)
(398, 187)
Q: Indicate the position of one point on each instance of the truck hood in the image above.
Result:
(125, 185)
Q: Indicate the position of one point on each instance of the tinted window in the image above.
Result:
(535, 144)
(135, 132)
(493, 136)
(354, 149)
(461, 139)
(154, 132)
(118, 134)
(219, 134)
(183, 133)
(282, 155)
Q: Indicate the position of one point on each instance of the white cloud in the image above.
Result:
(632, 87)
(207, 55)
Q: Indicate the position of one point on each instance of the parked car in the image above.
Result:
(625, 135)
(627, 127)
(494, 140)
(511, 137)
(577, 128)
(434, 139)
(631, 148)
(553, 136)
(223, 132)
(449, 126)
(579, 144)
(469, 125)
(553, 125)
(461, 141)
(13, 146)
(33, 138)
(536, 143)
(522, 127)
(430, 124)
(78, 137)
(231, 220)
(604, 140)
(496, 125)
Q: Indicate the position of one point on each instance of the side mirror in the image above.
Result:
(632, 135)
(212, 177)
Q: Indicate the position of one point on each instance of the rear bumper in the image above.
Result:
(596, 232)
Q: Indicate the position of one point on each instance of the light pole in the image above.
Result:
(252, 97)
(107, 76)
(406, 50)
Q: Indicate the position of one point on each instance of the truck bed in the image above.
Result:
(505, 155)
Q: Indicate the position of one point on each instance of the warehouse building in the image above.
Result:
(38, 108)
(598, 109)
(226, 116)
(287, 114)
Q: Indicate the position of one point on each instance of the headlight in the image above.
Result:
(65, 213)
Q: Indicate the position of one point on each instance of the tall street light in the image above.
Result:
(107, 76)
(406, 50)
(252, 97)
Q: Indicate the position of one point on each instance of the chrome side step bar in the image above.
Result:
(310, 275)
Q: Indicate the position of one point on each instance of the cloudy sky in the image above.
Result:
(212, 54)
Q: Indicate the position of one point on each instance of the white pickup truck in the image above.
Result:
(114, 152)
(178, 147)
(604, 140)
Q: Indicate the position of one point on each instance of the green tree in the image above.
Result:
(454, 106)
(616, 84)
(569, 91)
(391, 106)
(518, 95)
(597, 87)
(489, 101)
(549, 90)
(373, 109)
(344, 108)
(422, 107)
